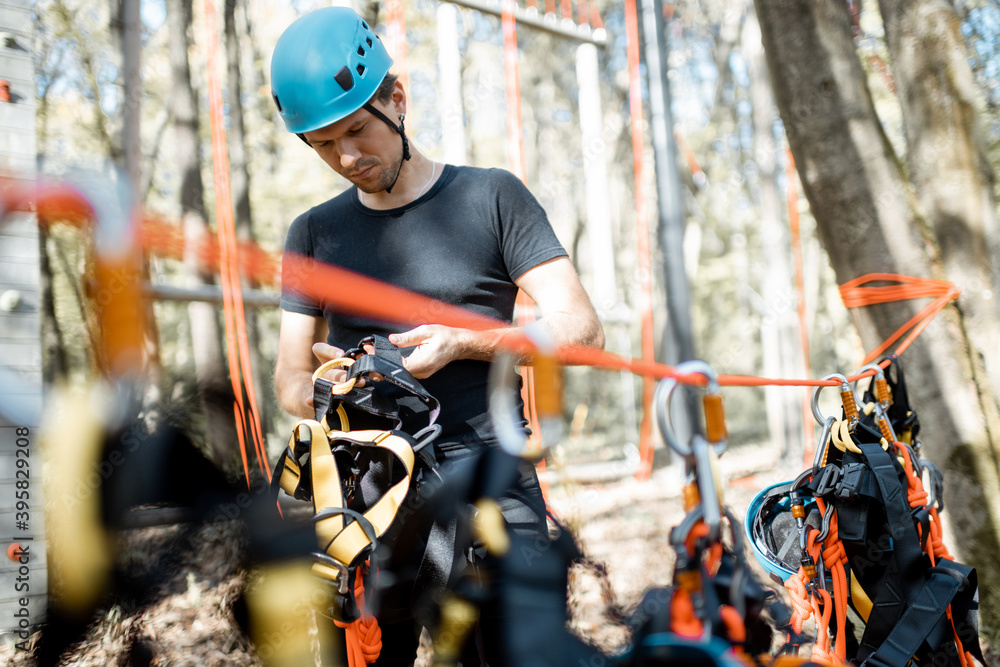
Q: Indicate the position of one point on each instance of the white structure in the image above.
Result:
(22, 584)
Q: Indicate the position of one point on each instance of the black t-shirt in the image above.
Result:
(463, 242)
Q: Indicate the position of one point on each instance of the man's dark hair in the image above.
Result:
(384, 92)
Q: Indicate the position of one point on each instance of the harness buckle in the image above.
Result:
(343, 576)
(827, 480)
(850, 482)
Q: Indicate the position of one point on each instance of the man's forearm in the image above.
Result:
(295, 391)
(563, 329)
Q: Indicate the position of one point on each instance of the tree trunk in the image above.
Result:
(947, 160)
(55, 365)
(217, 399)
(868, 221)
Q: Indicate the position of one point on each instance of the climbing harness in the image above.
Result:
(860, 529)
(357, 461)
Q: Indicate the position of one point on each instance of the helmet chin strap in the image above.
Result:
(402, 133)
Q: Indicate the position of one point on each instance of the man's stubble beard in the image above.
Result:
(386, 177)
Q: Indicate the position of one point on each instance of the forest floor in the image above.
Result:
(189, 617)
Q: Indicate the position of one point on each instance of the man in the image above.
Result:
(470, 237)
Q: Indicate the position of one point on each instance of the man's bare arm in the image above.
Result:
(297, 360)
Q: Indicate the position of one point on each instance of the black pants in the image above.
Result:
(523, 508)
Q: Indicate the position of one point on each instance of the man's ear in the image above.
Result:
(399, 97)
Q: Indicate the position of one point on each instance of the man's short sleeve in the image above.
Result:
(525, 235)
(299, 241)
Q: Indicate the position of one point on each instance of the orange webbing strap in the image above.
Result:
(240, 369)
(363, 636)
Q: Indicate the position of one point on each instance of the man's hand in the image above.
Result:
(326, 352)
(435, 346)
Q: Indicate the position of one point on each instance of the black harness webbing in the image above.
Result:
(924, 614)
(910, 598)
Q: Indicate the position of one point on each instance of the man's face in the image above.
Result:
(362, 148)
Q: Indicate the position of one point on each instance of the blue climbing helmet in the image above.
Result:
(773, 532)
(325, 66)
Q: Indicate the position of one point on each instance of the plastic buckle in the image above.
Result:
(827, 480)
(850, 481)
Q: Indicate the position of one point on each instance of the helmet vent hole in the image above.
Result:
(369, 40)
(365, 25)
(344, 78)
(361, 70)
(361, 51)
(276, 102)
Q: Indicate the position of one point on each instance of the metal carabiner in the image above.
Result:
(503, 396)
(824, 531)
(847, 397)
(881, 403)
(661, 398)
(705, 474)
(881, 385)
(821, 446)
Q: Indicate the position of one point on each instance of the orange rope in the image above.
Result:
(692, 161)
(364, 296)
(516, 161)
(797, 593)
(595, 17)
(395, 29)
(934, 546)
(792, 197)
(240, 369)
(736, 627)
(855, 294)
(363, 636)
(645, 271)
(683, 620)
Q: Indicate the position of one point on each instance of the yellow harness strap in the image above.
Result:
(334, 539)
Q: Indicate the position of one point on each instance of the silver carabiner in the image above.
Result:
(705, 474)
(880, 405)
(845, 387)
(824, 436)
(661, 398)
